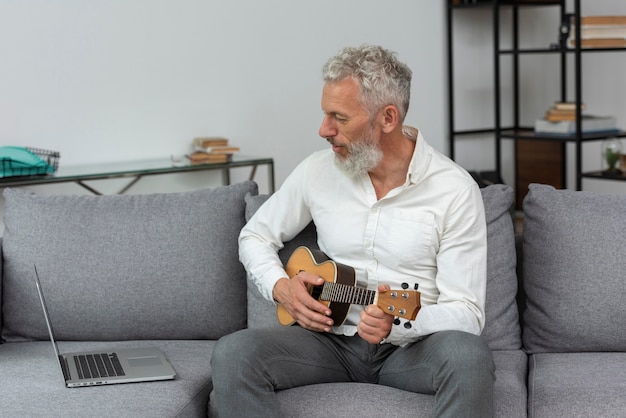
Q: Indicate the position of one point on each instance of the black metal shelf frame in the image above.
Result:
(516, 131)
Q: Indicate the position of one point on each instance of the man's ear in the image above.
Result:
(390, 118)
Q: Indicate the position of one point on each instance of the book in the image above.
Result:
(199, 157)
(218, 149)
(211, 150)
(568, 106)
(562, 111)
(603, 20)
(211, 141)
(590, 124)
(600, 43)
(591, 32)
(554, 115)
(600, 32)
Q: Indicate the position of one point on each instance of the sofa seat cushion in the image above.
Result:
(154, 266)
(577, 385)
(32, 384)
(353, 400)
(509, 391)
(366, 400)
(574, 264)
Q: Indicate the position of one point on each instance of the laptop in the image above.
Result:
(106, 367)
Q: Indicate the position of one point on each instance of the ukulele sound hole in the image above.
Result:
(316, 292)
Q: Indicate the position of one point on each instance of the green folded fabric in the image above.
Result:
(19, 161)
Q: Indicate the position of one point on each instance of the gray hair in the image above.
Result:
(382, 79)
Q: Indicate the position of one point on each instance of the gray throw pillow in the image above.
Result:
(154, 266)
(502, 330)
(574, 264)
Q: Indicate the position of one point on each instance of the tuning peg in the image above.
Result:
(396, 321)
(405, 285)
(415, 286)
(407, 325)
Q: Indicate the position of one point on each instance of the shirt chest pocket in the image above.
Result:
(411, 235)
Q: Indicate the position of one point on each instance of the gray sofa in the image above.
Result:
(162, 270)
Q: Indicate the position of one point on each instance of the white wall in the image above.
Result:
(116, 80)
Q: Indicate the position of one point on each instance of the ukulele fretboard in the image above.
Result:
(337, 292)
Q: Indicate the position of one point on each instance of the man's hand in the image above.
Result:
(294, 296)
(375, 324)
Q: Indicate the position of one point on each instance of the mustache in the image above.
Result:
(333, 141)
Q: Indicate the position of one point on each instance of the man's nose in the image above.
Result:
(327, 129)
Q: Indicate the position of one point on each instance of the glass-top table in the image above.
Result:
(138, 169)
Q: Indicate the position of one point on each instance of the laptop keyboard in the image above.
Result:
(98, 365)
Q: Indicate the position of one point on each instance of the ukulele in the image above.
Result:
(339, 289)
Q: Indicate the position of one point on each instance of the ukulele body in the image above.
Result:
(318, 263)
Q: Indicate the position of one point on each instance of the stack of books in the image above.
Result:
(600, 32)
(562, 111)
(211, 150)
(560, 119)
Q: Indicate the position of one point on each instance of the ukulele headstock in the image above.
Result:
(402, 303)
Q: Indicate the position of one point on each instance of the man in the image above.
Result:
(397, 211)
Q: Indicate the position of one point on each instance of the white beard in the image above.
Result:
(362, 157)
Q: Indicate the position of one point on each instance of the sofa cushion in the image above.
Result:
(155, 266)
(564, 385)
(32, 383)
(366, 400)
(574, 268)
(502, 329)
(502, 323)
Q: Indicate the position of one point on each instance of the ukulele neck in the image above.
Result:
(337, 292)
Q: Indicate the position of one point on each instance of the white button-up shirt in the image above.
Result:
(430, 231)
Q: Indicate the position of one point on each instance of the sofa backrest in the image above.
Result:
(155, 266)
(574, 271)
(502, 330)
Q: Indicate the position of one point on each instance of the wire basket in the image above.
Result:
(8, 168)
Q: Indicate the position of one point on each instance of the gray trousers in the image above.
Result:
(248, 366)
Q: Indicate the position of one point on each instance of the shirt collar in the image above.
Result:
(421, 155)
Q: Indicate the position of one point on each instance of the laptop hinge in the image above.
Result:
(64, 368)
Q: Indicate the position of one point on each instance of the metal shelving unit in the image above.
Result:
(516, 131)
